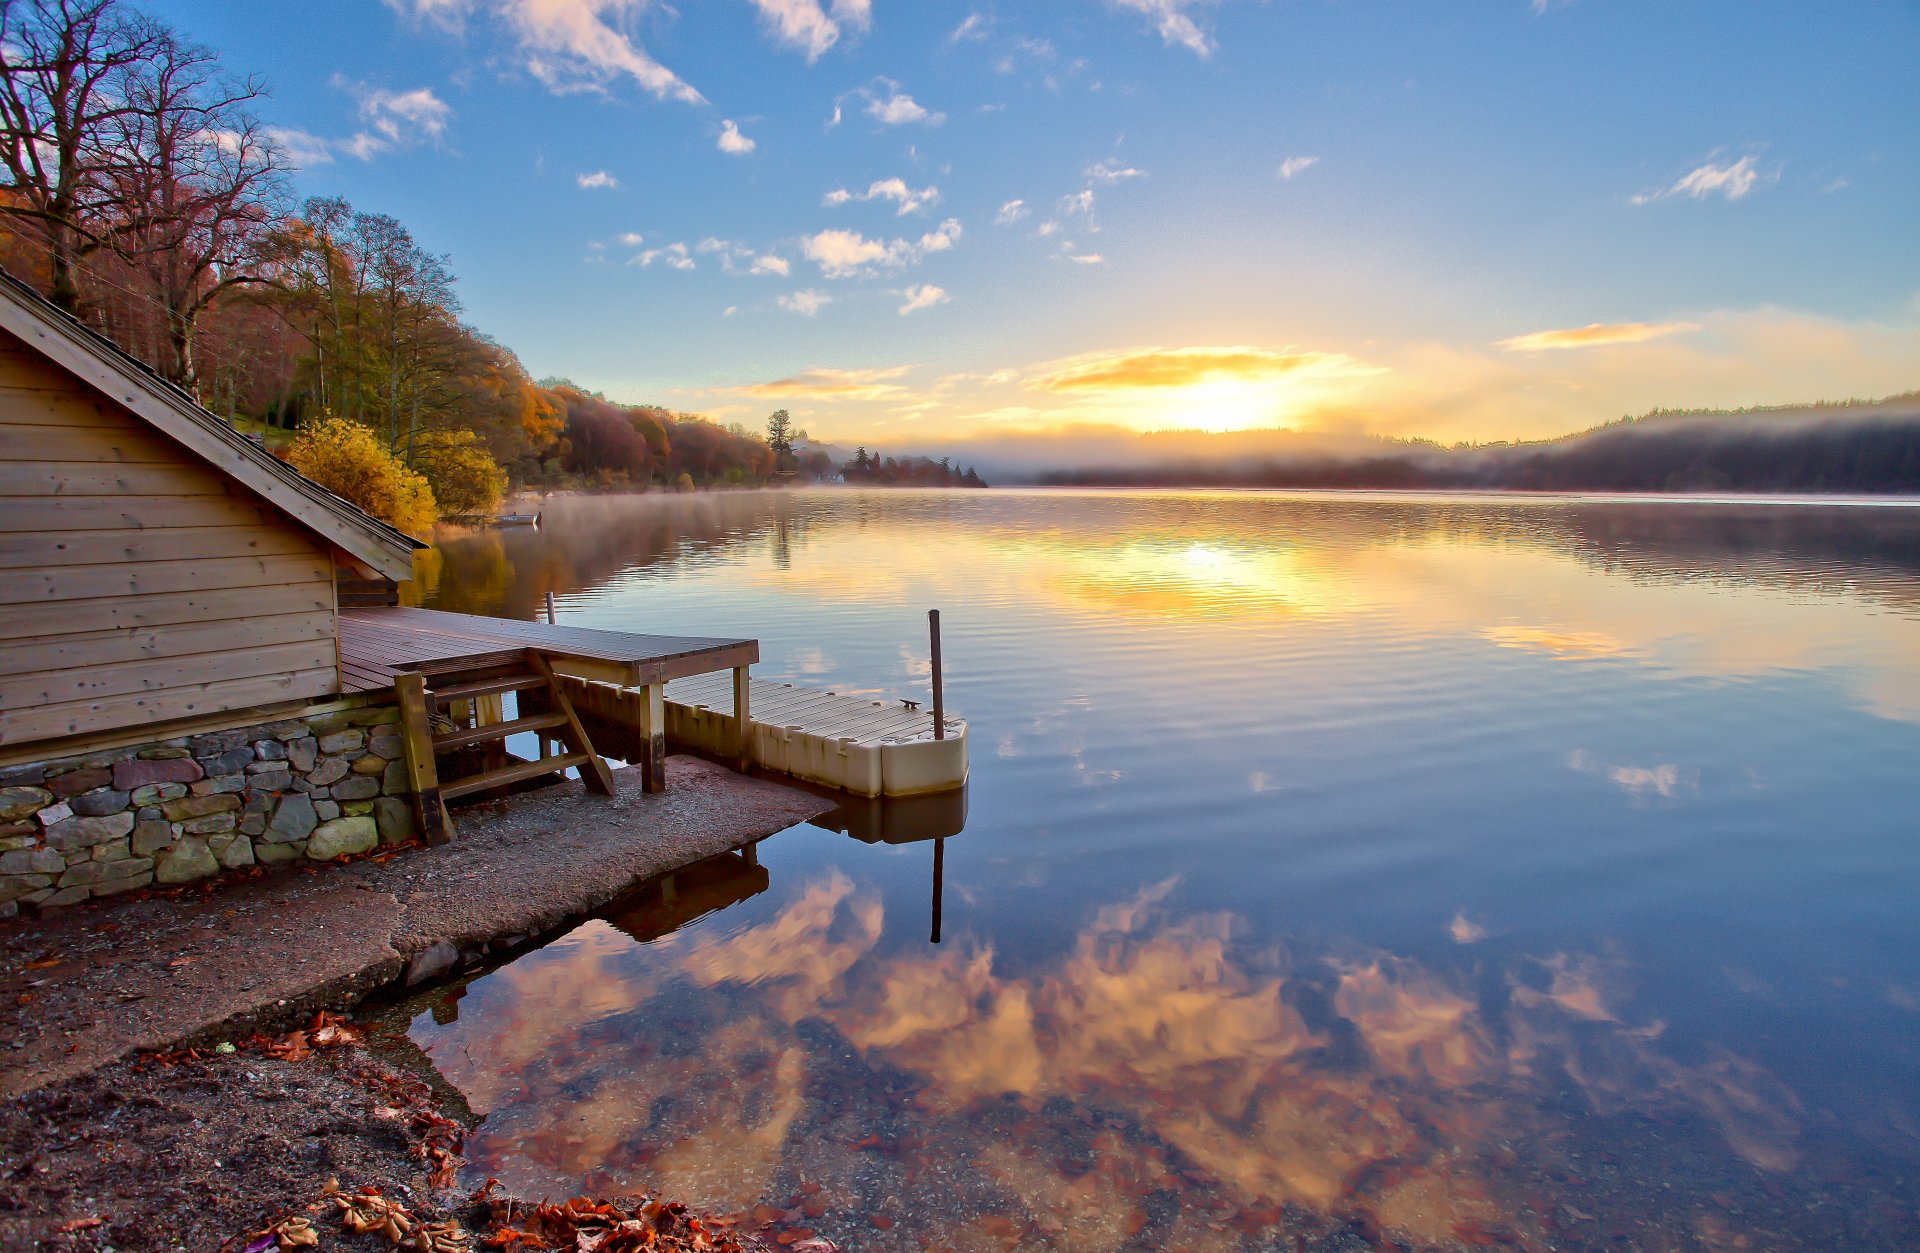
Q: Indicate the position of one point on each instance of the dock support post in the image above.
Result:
(939, 883)
(939, 696)
(742, 718)
(416, 737)
(652, 727)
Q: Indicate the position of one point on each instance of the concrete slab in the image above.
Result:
(223, 960)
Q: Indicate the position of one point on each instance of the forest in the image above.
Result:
(143, 192)
(1865, 447)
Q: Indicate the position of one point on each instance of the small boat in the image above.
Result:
(516, 519)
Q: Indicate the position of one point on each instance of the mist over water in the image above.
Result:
(1454, 870)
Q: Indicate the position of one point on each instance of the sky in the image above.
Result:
(914, 223)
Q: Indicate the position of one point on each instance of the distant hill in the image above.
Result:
(1852, 447)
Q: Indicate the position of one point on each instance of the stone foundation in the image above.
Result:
(316, 787)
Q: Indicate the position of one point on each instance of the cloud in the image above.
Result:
(1135, 369)
(1011, 212)
(674, 256)
(1464, 930)
(1729, 181)
(888, 105)
(732, 142)
(1111, 171)
(803, 24)
(847, 254)
(806, 302)
(394, 121)
(1597, 335)
(822, 383)
(1640, 782)
(570, 45)
(1295, 165)
(770, 264)
(923, 296)
(632, 239)
(595, 180)
(894, 189)
(973, 30)
(1087, 258)
(1174, 22)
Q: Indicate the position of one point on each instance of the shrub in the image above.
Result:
(463, 474)
(349, 460)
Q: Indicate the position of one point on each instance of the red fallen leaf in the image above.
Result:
(764, 1214)
(809, 1189)
(869, 1142)
(82, 1224)
(815, 1207)
(794, 1235)
(44, 964)
(178, 962)
(881, 1221)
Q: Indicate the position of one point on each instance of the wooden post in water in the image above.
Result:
(939, 699)
(549, 608)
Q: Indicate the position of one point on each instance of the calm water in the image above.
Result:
(1335, 870)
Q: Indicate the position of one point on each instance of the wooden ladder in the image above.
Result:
(551, 713)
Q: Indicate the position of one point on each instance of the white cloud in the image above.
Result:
(1174, 22)
(729, 311)
(1111, 171)
(1079, 204)
(805, 25)
(303, 148)
(770, 264)
(732, 142)
(849, 254)
(676, 256)
(922, 296)
(570, 45)
(1731, 181)
(394, 121)
(894, 189)
(806, 302)
(1087, 258)
(972, 30)
(632, 239)
(1011, 212)
(1296, 165)
(597, 179)
(888, 105)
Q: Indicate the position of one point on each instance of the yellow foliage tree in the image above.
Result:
(463, 474)
(349, 460)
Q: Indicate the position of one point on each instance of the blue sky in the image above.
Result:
(1469, 219)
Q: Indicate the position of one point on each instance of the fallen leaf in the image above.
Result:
(82, 1224)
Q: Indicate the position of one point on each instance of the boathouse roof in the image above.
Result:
(171, 410)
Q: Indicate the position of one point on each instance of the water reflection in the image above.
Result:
(1162, 1082)
(1464, 872)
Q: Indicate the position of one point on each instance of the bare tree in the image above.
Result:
(200, 183)
(64, 65)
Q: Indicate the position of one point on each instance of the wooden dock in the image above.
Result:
(855, 744)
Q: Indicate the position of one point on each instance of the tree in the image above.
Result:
(465, 478)
(348, 460)
(779, 438)
(64, 72)
(198, 180)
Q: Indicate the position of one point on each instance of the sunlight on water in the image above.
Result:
(1532, 873)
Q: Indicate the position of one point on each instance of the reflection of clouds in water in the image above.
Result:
(1666, 781)
(1578, 645)
(1464, 930)
(1153, 1016)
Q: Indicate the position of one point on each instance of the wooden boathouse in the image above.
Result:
(203, 662)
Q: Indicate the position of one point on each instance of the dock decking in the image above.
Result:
(377, 644)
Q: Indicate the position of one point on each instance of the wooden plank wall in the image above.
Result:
(137, 585)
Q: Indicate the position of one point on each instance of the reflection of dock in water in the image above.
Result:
(664, 905)
(905, 820)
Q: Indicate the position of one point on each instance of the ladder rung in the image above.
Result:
(497, 731)
(485, 687)
(509, 775)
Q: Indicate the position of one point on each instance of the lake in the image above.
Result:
(1337, 872)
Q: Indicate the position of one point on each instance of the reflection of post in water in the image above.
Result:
(905, 820)
(939, 883)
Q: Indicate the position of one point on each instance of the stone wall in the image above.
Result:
(314, 787)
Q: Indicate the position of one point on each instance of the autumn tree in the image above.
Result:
(65, 68)
(197, 180)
